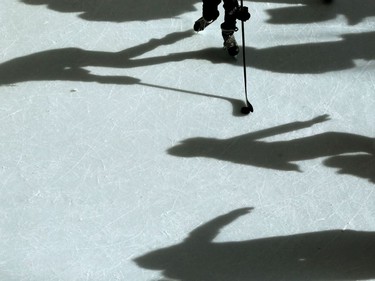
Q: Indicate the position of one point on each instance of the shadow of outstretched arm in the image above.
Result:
(207, 232)
(249, 149)
(286, 128)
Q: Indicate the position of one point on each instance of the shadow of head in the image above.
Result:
(361, 165)
(194, 147)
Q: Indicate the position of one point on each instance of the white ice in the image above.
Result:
(123, 155)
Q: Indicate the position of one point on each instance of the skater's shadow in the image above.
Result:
(312, 11)
(314, 58)
(70, 64)
(360, 165)
(250, 149)
(126, 10)
(326, 255)
(120, 10)
(309, 58)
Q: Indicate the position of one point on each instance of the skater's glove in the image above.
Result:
(242, 13)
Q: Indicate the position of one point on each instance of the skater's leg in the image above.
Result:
(210, 13)
(228, 27)
(210, 9)
(230, 7)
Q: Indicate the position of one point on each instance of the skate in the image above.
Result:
(201, 24)
(230, 43)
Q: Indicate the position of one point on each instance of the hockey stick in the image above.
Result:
(248, 108)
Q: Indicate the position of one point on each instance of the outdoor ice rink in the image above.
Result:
(124, 157)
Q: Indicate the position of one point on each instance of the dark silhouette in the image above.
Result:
(120, 10)
(145, 10)
(314, 58)
(360, 165)
(69, 65)
(249, 149)
(317, 256)
(312, 11)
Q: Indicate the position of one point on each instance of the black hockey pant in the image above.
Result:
(211, 12)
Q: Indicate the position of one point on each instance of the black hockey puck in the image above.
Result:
(245, 110)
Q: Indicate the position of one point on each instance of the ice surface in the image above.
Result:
(123, 155)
